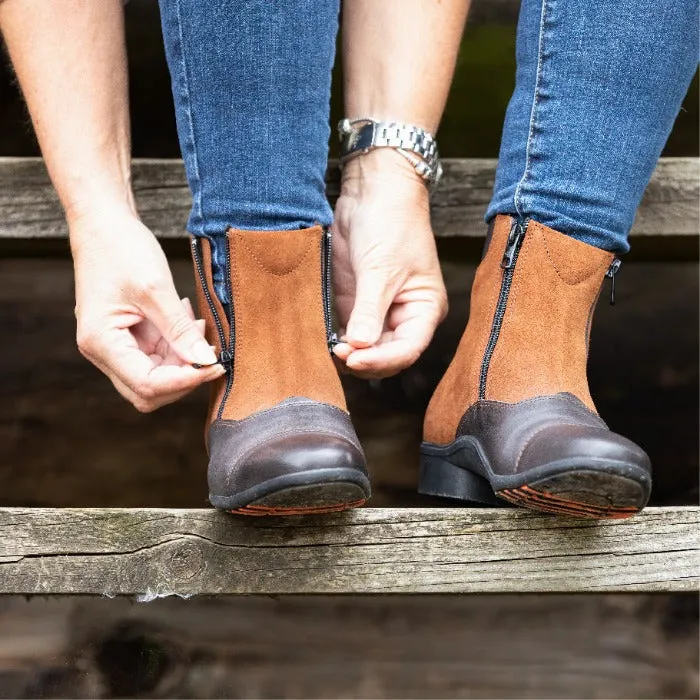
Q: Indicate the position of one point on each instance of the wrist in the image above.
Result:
(95, 188)
(381, 167)
(81, 210)
(98, 221)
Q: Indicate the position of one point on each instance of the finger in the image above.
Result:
(142, 405)
(118, 355)
(148, 337)
(373, 297)
(161, 345)
(166, 311)
(167, 355)
(187, 305)
(403, 348)
(342, 351)
(383, 361)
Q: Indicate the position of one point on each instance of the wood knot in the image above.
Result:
(186, 561)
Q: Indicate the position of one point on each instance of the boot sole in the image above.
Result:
(315, 492)
(580, 493)
(600, 490)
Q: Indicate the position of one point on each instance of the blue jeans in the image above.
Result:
(598, 86)
(251, 82)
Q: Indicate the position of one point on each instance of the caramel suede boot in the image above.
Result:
(279, 436)
(513, 414)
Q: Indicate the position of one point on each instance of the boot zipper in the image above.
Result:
(207, 295)
(612, 271)
(227, 358)
(510, 257)
(326, 268)
(226, 354)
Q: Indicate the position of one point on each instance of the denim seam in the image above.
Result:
(517, 197)
(196, 184)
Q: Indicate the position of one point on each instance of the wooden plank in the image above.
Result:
(29, 208)
(152, 553)
(486, 646)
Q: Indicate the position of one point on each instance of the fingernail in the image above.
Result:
(203, 354)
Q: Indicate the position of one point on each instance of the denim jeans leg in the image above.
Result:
(598, 86)
(251, 86)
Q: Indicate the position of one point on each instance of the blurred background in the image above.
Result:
(69, 440)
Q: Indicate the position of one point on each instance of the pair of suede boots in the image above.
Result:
(512, 419)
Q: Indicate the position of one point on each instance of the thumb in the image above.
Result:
(168, 314)
(372, 301)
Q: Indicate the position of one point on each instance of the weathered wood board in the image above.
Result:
(154, 552)
(29, 208)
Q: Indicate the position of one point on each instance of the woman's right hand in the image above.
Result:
(131, 323)
(389, 292)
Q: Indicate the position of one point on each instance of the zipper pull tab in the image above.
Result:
(332, 341)
(612, 271)
(226, 359)
(516, 234)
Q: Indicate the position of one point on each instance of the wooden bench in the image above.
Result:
(160, 552)
(668, 219)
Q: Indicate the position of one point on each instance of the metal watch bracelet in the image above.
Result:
(419, 147)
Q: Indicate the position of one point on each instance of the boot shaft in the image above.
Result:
(531, 309)
(274, 336)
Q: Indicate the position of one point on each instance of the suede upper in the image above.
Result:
(542, 345)
(281, 348)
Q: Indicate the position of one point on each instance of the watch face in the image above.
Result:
(357, 139)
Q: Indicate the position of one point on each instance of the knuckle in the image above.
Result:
(179, 327)
(86, 340)
(143, 406)
(145, 391)
(148, 286)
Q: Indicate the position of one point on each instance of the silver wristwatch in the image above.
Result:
(359, 136)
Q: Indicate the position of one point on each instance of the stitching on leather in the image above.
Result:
(313, 243)
(592, 273)
(261, 264)
(238, 338)
(564, 396)
(286, 404)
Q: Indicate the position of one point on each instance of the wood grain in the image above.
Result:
(487, 646)
(29, 208)
(152, 553)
